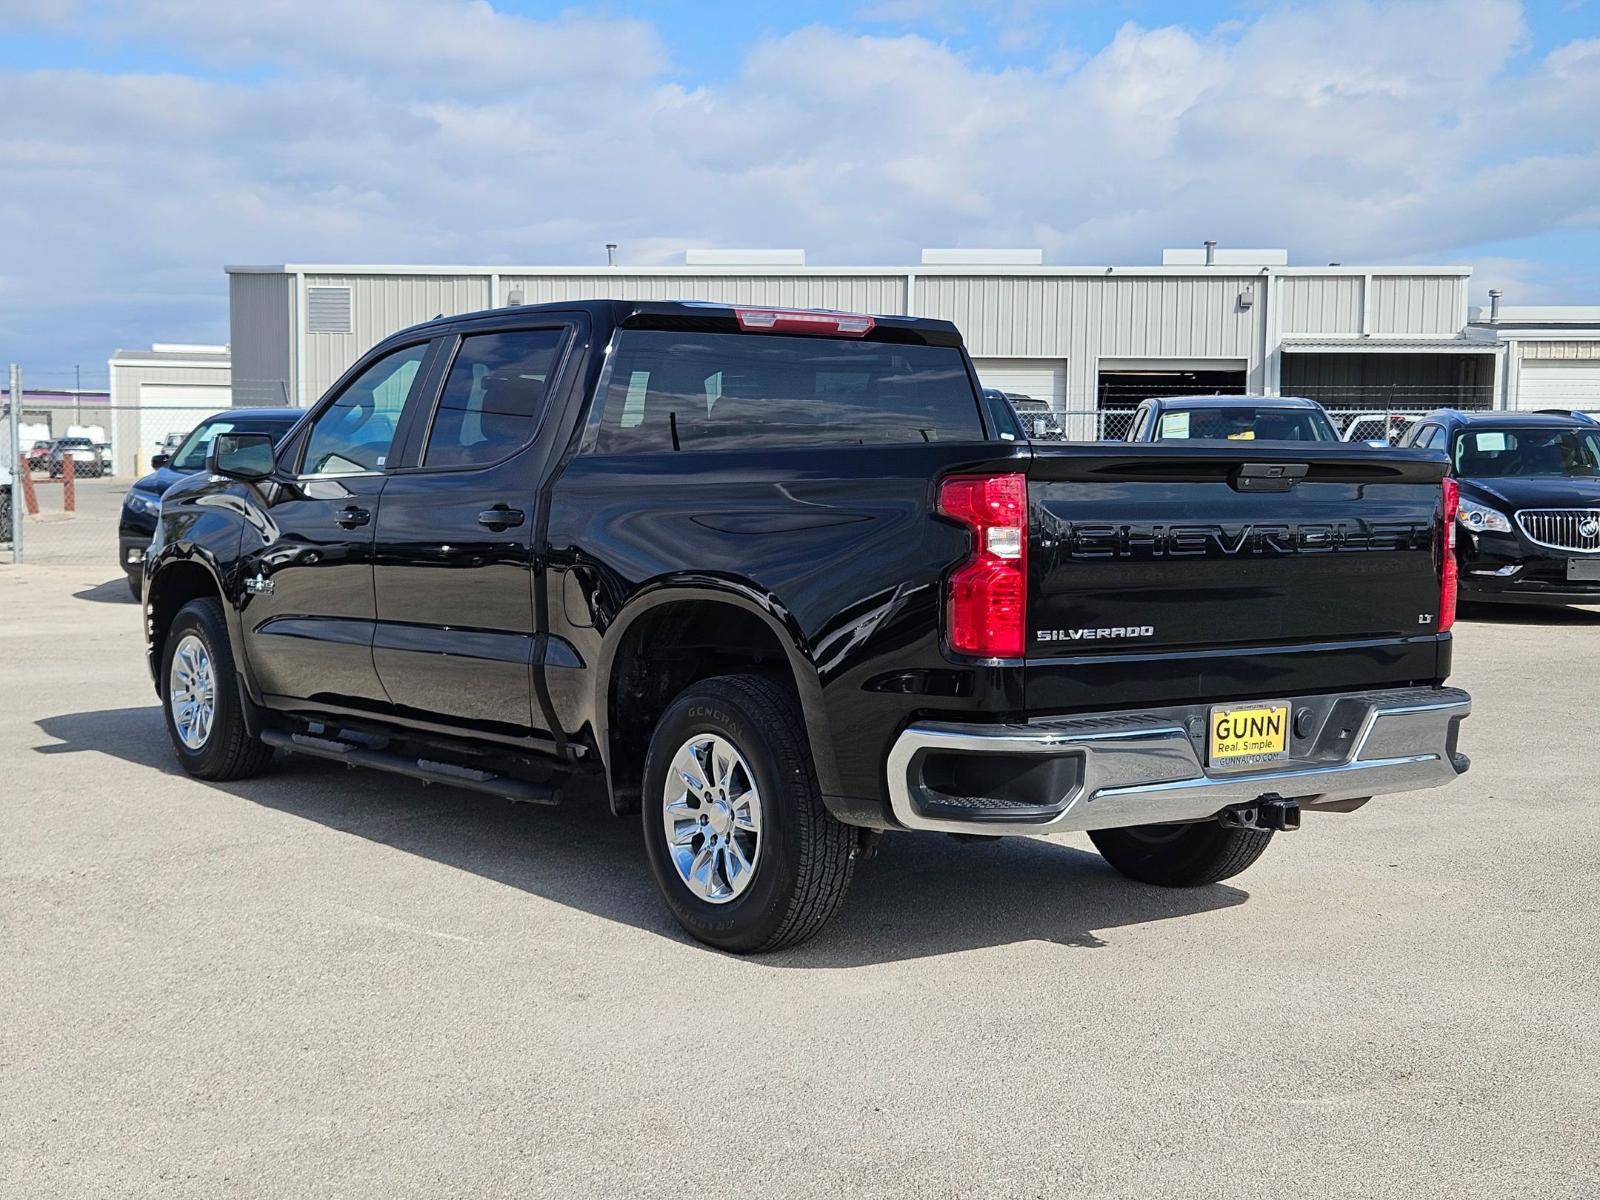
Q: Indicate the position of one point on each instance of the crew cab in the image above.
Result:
(1528, 525)
(141, 505)
(774, 577)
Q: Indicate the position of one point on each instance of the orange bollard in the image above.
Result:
(68, 475)
(30, 498)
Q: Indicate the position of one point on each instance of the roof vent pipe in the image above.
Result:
(1494, 305)
(1211, 254)
(611, 254)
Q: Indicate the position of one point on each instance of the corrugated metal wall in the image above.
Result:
(380, 305)
(1076, 318)
(1417, 304)
(853, 293)
(1083, 319)
(1321, 305)
(1572, 350)
(261, 334)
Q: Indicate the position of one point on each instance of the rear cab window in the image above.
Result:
(1243, 424)
(692, 391)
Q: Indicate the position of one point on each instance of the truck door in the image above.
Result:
(308, 608)
(455, 538)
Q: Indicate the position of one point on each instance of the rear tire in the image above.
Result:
(800, 856)
(1180, 855)
(220, 748)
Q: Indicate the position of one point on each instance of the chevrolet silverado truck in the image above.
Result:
(773, 577)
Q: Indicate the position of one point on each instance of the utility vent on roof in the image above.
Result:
(328, 310)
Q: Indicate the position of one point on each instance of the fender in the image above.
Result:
(221, 564)
(737, 593)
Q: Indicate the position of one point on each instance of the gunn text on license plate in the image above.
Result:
(1247, 735)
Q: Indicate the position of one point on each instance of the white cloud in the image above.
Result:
(436, 130)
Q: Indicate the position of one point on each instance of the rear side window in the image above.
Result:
(493, 397)
(722, 391)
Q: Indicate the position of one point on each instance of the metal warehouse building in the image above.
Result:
(1090, 340)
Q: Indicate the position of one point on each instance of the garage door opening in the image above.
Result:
(1127, 388)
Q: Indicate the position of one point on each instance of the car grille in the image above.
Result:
(1562, 528)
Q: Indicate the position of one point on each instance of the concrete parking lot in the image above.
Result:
(328, 982)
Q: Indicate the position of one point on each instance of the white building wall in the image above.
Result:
(1229, 316)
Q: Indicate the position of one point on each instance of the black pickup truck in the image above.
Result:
(775, 576)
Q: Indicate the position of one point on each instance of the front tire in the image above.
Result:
(1180, 855)
(200, 697)
(740, 844)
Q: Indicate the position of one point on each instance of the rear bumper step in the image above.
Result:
(1148, 767)
(427, 770)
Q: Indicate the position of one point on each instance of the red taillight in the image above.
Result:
(803, 320)
(987, 605)
(1449, 572)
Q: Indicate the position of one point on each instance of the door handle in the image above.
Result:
(500, 517)
(351, 517)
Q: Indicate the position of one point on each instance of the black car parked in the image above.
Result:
(1528, 527)
(142, 505)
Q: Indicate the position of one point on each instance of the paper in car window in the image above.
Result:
(1491, 440)
(1175, 425)
(1244, 435)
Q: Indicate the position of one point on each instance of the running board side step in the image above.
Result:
(352, 754)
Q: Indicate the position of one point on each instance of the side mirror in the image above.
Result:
(245, 456)
(157, 461)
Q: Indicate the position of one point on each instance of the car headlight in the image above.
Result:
(1480, 517)
(150, 506)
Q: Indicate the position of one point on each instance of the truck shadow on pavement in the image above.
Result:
(922, 895)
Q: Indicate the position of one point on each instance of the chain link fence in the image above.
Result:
(62, 494)
(75, 520)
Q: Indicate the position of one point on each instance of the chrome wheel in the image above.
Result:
(192, 692)
(711, 815)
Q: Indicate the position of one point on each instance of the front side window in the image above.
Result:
(496, 391)
(719, 391)
(1527, 453)
(354, 433)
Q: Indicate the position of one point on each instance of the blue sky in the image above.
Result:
(148, 142)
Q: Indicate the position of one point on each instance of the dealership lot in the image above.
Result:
(338, 982)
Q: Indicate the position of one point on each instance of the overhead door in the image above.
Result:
(1559, 385)
(1040, 378)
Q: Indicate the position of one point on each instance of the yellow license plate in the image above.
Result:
(1243, 735)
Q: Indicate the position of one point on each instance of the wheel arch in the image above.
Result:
(676, 634)
(178, 575)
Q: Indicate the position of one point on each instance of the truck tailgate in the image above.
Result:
(1166, 573)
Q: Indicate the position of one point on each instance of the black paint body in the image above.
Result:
(422, 619)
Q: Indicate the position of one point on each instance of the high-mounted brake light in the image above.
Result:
(803, 320)
(1449, 570)
(986, 606)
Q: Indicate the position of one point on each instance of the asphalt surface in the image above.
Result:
(338, 983)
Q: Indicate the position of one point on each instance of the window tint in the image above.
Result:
(493, 397)
(1548, 453)
(354, 432)
(191, 456)
(719, 391)
(1244, 425)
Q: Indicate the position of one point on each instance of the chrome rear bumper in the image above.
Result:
(1148, 767)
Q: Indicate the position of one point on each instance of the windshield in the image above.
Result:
(1245, 424)
(191, 456)
(1528, 453)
